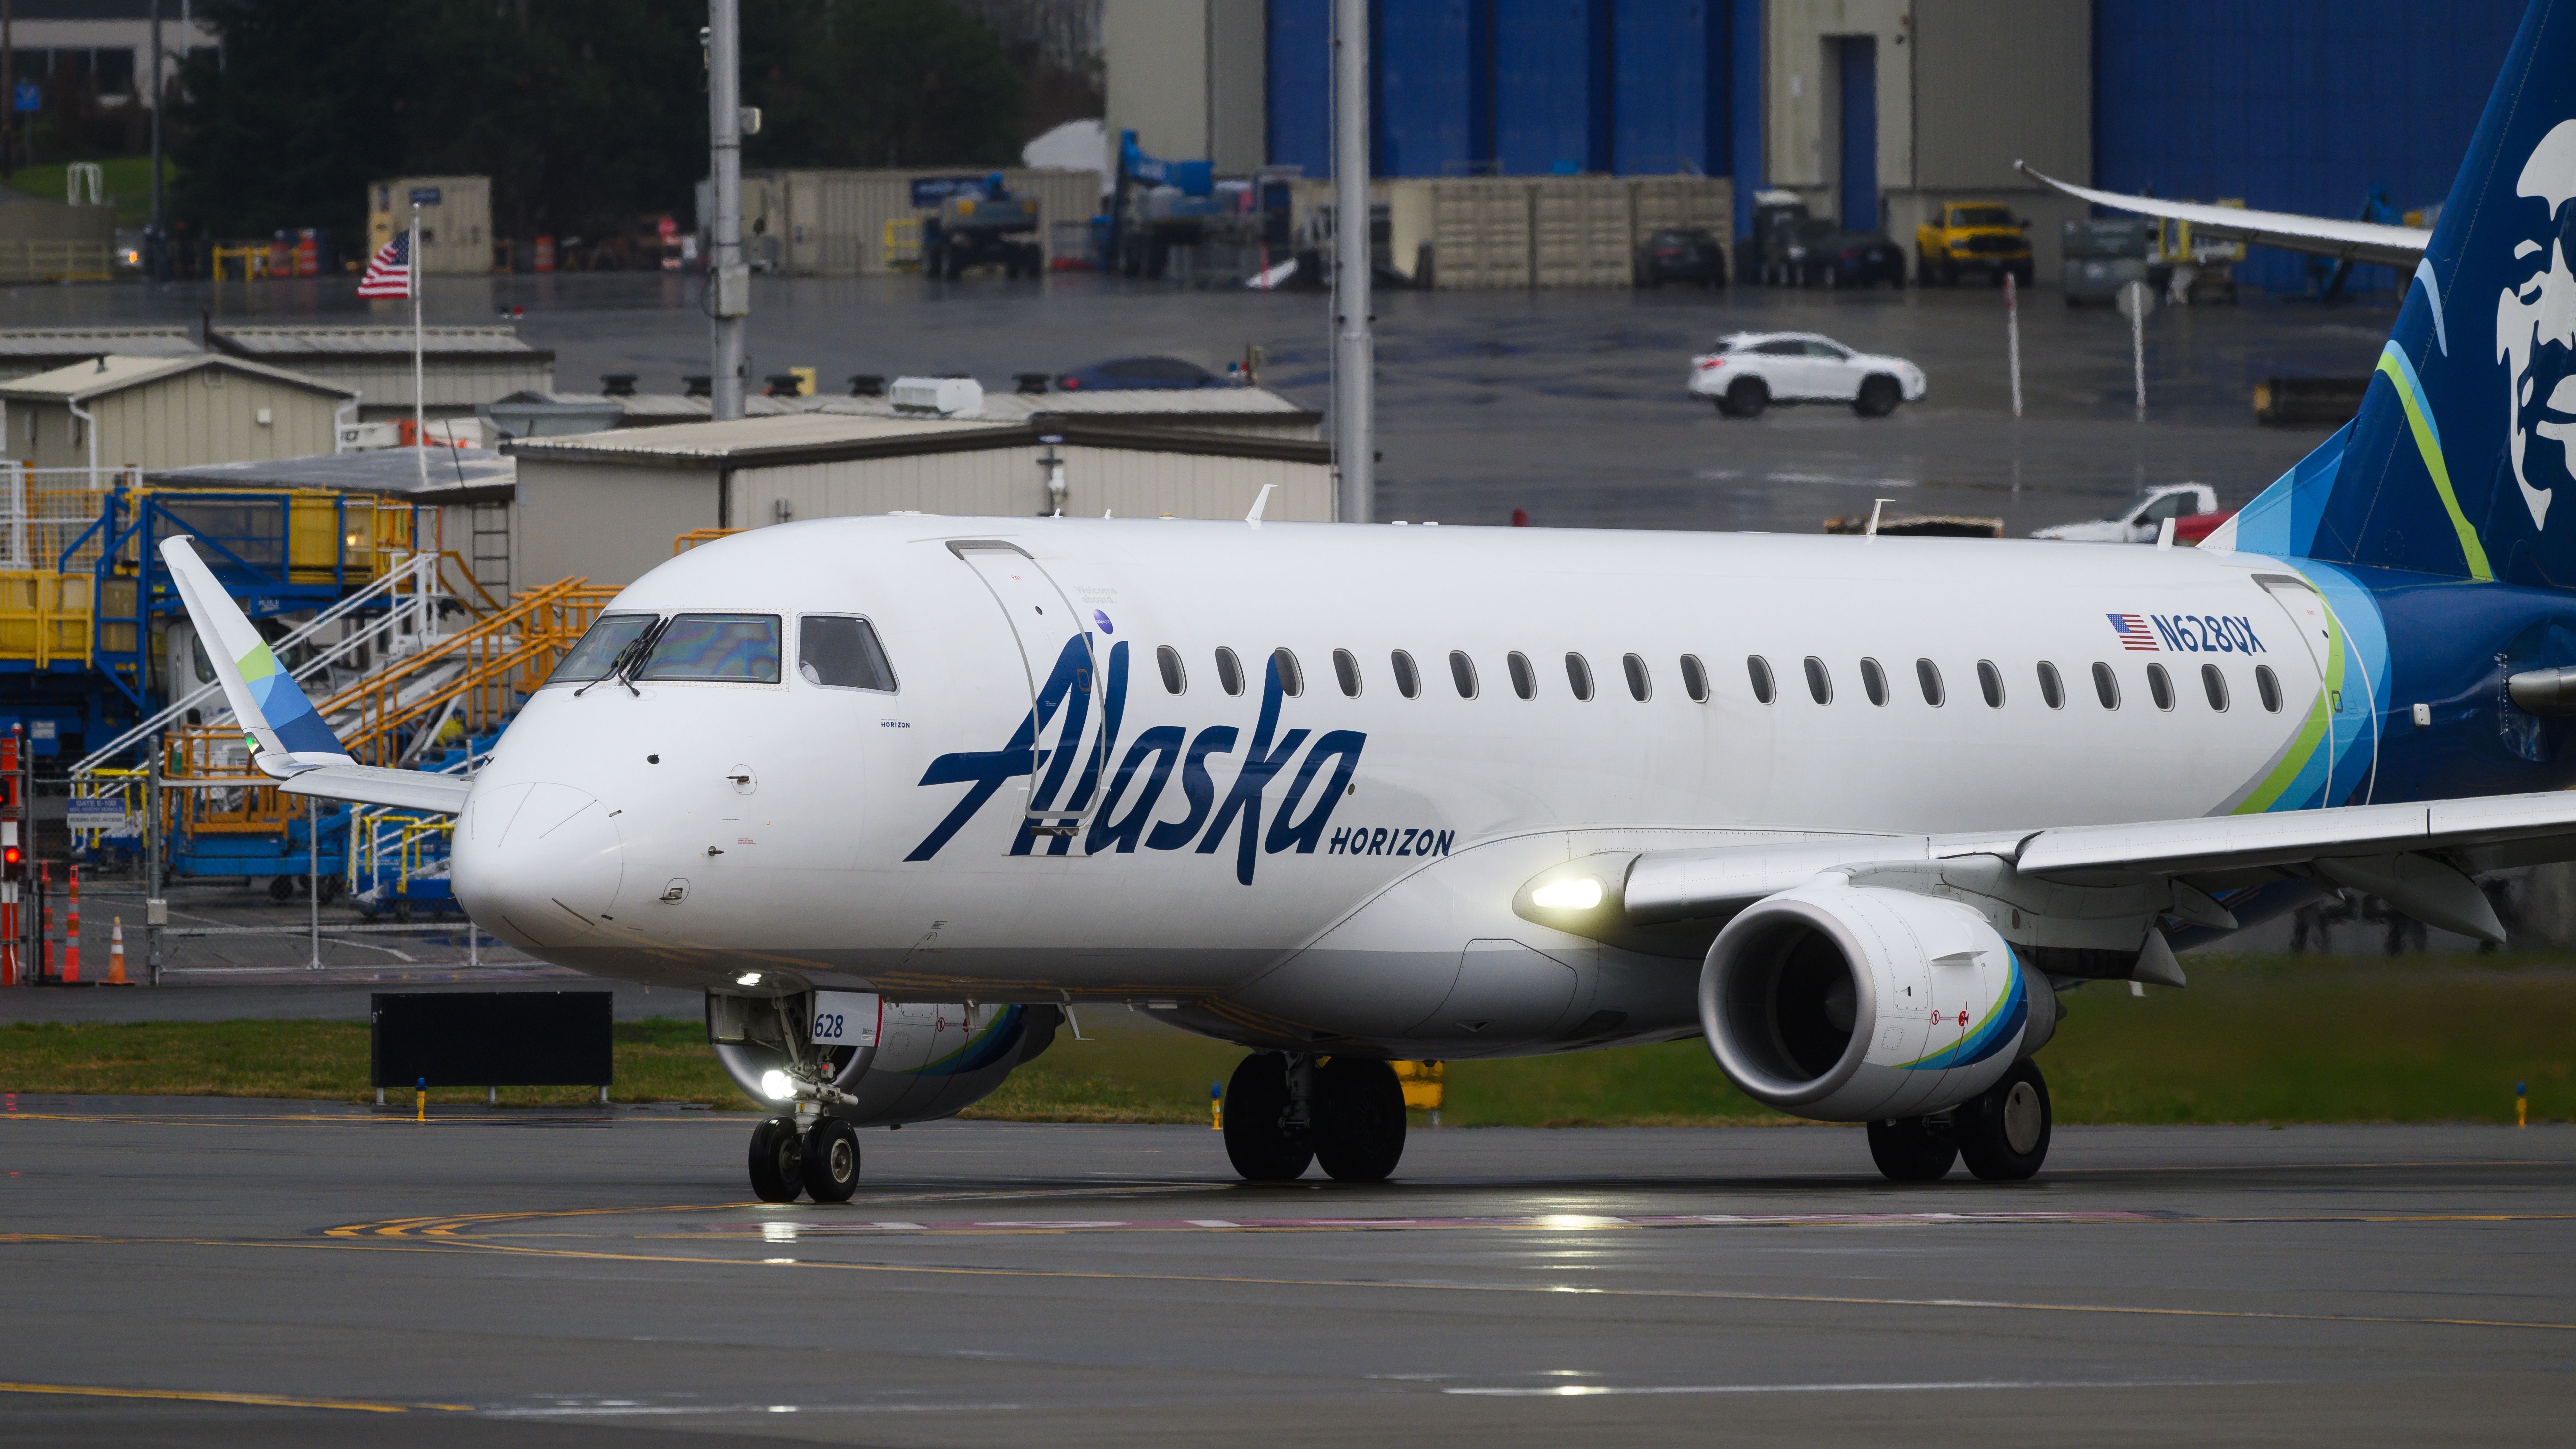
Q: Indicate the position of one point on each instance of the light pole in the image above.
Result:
(1354, 349)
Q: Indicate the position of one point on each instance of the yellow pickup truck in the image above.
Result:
(1972, 236)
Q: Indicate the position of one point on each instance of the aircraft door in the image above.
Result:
(1065, 690)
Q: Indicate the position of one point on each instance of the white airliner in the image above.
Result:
(898, 793)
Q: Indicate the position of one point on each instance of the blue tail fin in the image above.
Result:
(2463, 458)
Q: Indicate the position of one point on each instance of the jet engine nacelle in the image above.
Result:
(929, 1060)
(1852, 1004)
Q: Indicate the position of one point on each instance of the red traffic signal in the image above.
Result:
(13, 863)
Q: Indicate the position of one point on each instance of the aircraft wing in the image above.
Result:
(374, 785)
(2360, 241)
(289, 741)
(2419, 856)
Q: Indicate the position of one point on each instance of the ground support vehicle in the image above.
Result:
(1746, 373)
(987, 228)
(1972, 237)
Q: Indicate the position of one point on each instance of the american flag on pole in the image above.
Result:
(2133, 632)
(389, 270)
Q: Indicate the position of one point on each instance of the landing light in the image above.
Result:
(748, 978)
(775, 1086)
(1580, 894)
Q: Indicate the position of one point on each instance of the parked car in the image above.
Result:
(1972, 236)
(1793, 250)
(1749, 371)
(1773, 212)
(2192, 506)
(1681, 255)
(1863, 259)
(1131, 373)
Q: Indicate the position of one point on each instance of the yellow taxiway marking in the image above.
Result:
(215, 1396)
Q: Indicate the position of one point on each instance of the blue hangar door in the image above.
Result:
(1858, 89)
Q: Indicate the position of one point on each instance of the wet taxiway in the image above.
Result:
(211, 1272)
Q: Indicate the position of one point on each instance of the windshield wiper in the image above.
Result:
(629, 658)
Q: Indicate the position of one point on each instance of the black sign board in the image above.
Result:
(491, 1039)
(929, 191)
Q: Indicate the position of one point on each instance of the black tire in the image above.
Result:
(402, 910)
(1908, 1150)
(1723, 410)
(1746, 397)
(1879, 396)
(2023, 272)
(1359, 1119)
(777, 1160)
(830, 1167)
(2003, 1131)
(1922, 268)
(1257, 1142)
(281, 888)
(1949, 272)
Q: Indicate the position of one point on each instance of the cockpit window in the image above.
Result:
(734, 648)
(841, 653)
(599, 647)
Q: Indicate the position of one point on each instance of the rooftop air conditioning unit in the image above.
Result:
(946, 396)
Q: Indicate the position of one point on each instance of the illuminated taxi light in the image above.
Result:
(775, 1086)
(1580, 894)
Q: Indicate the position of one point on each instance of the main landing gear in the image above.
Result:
(1283, 1112)
(821, 1162)
(2002, 1133)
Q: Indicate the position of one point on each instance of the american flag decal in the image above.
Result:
(2133, 631)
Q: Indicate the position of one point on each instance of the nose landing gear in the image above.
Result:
(1284, 1112)
(822, 1163)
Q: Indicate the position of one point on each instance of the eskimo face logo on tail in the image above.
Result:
(2536, 323)
(1067, 776)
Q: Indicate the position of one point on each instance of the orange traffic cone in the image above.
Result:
(116, 953)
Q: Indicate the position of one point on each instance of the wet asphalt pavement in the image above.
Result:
(1567, 404)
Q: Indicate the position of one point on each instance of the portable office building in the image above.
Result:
(455, 220)
(166, 412)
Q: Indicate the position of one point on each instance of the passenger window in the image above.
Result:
(1780, 349)
(2160, 685)
(1578, 676)
(608, 637)
(1524, 678)
(839, 652)
(1462, 672)
(1990, 682)
(1640, 687)
(2268, 685)
(1873, 681)
(1928, 674)
(1694, 679)
(2106, 687)
(1176, 680)
(1760, 669)
(2052, 689)
(1346, 672)
(1408, 680)
(1819, 683)
(1229, 671)
(2214, 684)
(1292, 680)
(726, 648)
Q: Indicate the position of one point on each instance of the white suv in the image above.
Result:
(1749, 371)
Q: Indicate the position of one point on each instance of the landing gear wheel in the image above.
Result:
(777, 1160)
(1257, 1140)
(1908, 1150)
(831, 1165)
(2003, 1131)
(1359, 1119)
(1747, 398)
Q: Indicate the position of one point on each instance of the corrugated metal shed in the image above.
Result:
(607, 505)
(2293, 105)
(462, 367)
(167, 412)
(26, 351)
(455, 475)
(1246, 411)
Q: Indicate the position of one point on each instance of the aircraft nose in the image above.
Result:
(538, 862)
